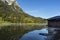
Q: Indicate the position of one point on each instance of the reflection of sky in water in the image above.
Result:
(34, 35)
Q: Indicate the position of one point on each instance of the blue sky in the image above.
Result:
(41, 8)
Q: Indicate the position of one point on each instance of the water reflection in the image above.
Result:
(35, 35)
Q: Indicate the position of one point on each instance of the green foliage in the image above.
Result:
(14, 14)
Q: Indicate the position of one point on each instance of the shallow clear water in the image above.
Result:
(35, 35)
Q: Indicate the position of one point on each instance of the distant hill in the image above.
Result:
(14, 14)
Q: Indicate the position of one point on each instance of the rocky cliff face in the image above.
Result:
(10, 2)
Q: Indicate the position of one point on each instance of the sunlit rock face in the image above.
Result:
(9, 1)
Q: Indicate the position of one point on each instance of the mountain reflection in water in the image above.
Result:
(35, 35)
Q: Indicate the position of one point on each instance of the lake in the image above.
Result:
(35, 35)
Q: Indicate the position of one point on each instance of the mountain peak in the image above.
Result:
(9, 1)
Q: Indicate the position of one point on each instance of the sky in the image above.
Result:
(41, 8)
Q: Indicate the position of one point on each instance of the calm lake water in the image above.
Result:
(35, 35)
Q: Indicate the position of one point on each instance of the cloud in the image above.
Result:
(35, 13)
(32, 11)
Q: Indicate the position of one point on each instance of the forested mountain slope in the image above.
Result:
(14, 14)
